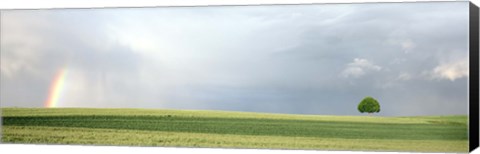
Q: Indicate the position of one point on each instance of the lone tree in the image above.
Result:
(369, 105)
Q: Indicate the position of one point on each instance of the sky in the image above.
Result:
(298, 59)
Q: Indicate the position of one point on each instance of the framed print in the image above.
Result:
(343, 77)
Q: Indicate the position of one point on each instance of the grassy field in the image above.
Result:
(185, 128)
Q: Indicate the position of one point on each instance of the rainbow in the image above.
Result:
(56, 89)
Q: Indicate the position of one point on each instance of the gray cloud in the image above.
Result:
(359, 67)
(306, 59)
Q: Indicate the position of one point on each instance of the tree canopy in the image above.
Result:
(369, 105)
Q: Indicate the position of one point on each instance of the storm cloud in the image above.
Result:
(301, 59)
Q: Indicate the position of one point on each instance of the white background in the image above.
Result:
(61, 149)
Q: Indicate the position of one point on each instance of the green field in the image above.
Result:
(185, 128)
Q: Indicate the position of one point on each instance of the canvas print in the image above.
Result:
(363, 77)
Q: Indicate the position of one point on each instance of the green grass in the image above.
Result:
(149, 127)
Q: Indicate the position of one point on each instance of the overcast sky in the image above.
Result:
(301, 59)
